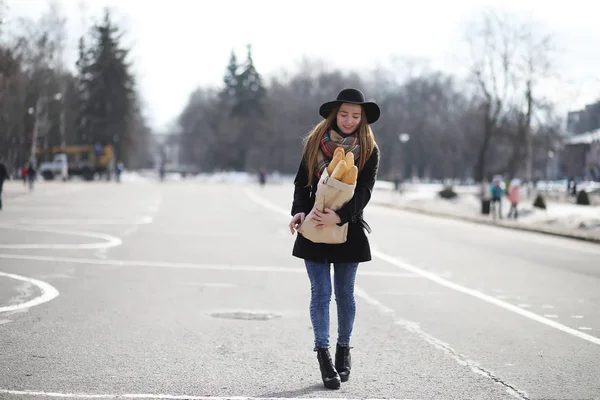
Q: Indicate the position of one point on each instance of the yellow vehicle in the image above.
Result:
(86, 161)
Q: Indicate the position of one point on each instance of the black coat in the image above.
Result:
(3, 172)
(356, 248)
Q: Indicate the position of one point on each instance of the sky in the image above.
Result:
(179, 45)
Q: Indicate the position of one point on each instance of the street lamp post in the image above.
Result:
(402, 138)
(549, 162)
(35, 113)
(61, 127)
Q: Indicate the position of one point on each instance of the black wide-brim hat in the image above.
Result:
(352, 96)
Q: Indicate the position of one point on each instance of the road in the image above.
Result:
(184, 290)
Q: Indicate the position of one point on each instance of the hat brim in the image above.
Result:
(372, 111)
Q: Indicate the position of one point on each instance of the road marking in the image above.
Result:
(216, 267)
(437, 343)
(109, 240)
(130, 231)
(153, 396)
(48, 293)
(487, 298)
(449, 284)
(414, 293)
(86, 221)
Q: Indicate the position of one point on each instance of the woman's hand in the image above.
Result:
(326, 218)
(296, 222)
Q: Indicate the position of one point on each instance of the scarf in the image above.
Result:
(331, 140)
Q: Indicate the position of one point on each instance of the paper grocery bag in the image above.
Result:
(331, 193)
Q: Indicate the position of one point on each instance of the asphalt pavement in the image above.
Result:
(184, 290)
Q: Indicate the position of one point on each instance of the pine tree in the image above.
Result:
(250, 91)
(109, 89)
(231, 79)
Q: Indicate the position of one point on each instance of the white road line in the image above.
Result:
(154, 396)
(130, 231)
(487, 298)
(451, 285)
(437, 343)
(86, 221)
(266, 203)
(48, 293)
(216, 267)
(109, 240)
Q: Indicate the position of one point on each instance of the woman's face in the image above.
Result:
(348, 117)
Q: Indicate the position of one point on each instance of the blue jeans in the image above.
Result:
(320, 288)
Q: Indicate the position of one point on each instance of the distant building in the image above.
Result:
(581, 155)
(585, 120)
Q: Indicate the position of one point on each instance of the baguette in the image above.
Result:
(339, 170)
(340, 150)
(351, 175)
(349, 159)
(337, 157)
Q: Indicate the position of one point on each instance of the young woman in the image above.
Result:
(347, 124)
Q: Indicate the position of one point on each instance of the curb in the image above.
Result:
(503, 224)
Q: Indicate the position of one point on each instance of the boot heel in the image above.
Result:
(331, 378)
(343, 362)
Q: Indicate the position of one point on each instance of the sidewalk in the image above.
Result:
(12, 189)
(560, 219)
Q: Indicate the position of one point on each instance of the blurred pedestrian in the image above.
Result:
(161, 171)
(496, 192)
(118, 170)
(24, 173)
(514, 196)
(346, 124)
(262, 177)
(31, 172)
(3, 177)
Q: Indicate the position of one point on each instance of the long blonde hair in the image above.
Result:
(312, 143)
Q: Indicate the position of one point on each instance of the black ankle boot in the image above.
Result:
(331, 379)
(343, 362)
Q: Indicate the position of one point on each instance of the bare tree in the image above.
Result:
(508, 60)
(535, 64)
(493, 48)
